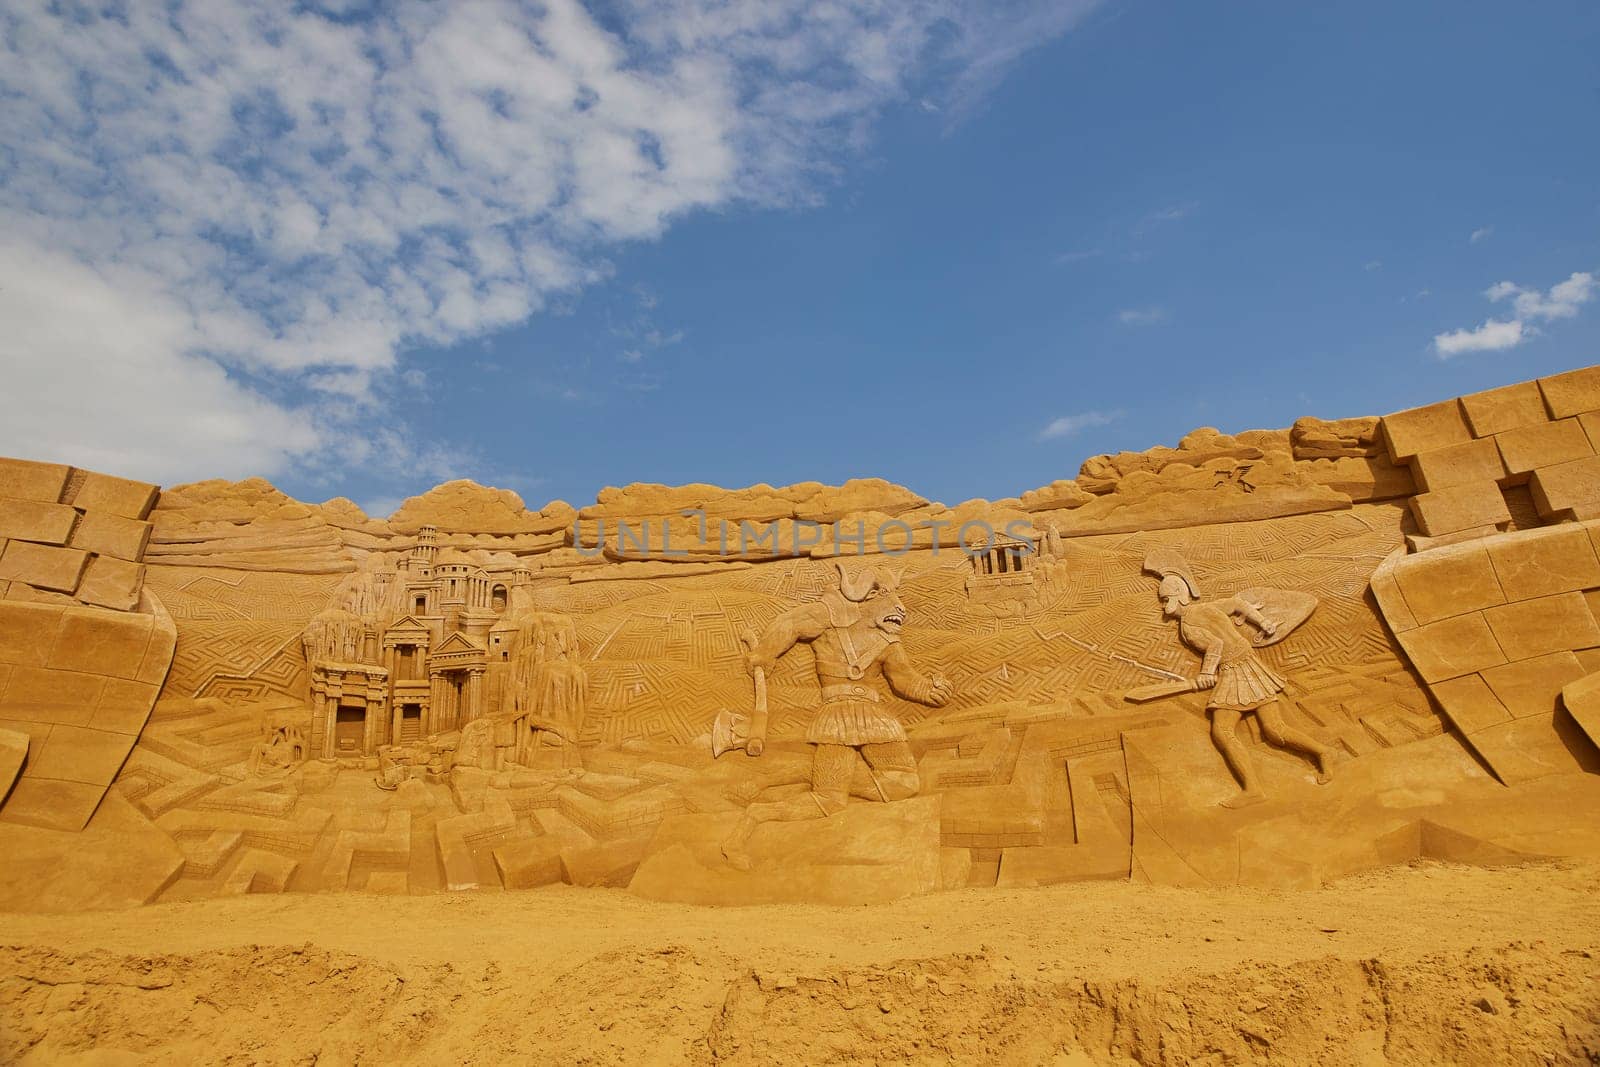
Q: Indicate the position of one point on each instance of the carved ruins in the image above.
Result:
(1271, 658)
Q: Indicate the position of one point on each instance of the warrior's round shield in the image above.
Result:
(1286, 609)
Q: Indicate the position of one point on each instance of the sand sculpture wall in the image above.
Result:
(823, 693)
(83, 651)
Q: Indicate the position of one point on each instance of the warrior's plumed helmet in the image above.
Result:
(1167, 562)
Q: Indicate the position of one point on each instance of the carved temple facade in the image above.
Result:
(432, 653)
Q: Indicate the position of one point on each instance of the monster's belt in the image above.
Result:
(848, 691)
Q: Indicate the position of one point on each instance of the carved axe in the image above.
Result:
(756, 738)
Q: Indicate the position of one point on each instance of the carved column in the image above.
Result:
(474, 706)
(321, 728)
(435, 703)
(377, 713)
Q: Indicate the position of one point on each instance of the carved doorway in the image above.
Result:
(349, 730)
(410, 723)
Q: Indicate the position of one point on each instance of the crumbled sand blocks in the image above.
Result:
(79, 666)
(72, 535)
(1465, 452)
(1497, 627)
(79, 683)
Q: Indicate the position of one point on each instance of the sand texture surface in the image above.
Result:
(1424, 964)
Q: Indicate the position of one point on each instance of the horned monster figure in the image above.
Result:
(854, 633)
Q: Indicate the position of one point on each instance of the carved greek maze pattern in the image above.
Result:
(1038, 710)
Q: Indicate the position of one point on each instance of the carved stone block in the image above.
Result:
(1581, 698)
(1535, 563)
(529, 862)
(1544, 444)
(1392, 602)
(51, 803)
(1470, 703)
(1449, 581)
(1530, 628)
(81, 754)
(116, 496)
(43, 566)
(1506, 408)
(1566, 486)
(1461, 507)
(1453, 647)
(1523, 750)
(28, 633)
(112, 535)
(34, 520)
(1571, 393)
(24, 479)
(112, 583)
(1470, 461)
(42, 694)
(1533, 686)
(101, 642)
(1407, 433)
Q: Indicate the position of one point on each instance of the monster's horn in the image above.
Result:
(856, 591)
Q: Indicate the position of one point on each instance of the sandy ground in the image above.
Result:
(1423, 964)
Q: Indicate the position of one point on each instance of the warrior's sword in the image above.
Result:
(1163, 689)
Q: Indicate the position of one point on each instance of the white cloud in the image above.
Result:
(1142, 316)
(1561, 302)
(96, 374)
(1482, 233)
(1068, 425)
(223, 220)
(1372, 265)
(1164, 215)
(1492, 336)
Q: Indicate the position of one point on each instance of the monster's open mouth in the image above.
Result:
(895, 618)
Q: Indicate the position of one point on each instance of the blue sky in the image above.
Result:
(962, 247)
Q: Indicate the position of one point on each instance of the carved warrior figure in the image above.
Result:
(854, 633)
(282, 746)
(1239, 683)
(550, 690)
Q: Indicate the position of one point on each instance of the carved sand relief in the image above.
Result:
(1219, 663)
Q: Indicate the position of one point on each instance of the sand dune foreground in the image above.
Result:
(1422, 964)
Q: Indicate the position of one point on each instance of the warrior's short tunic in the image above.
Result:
(853, 717)
(1243, 681)
(850, 668)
